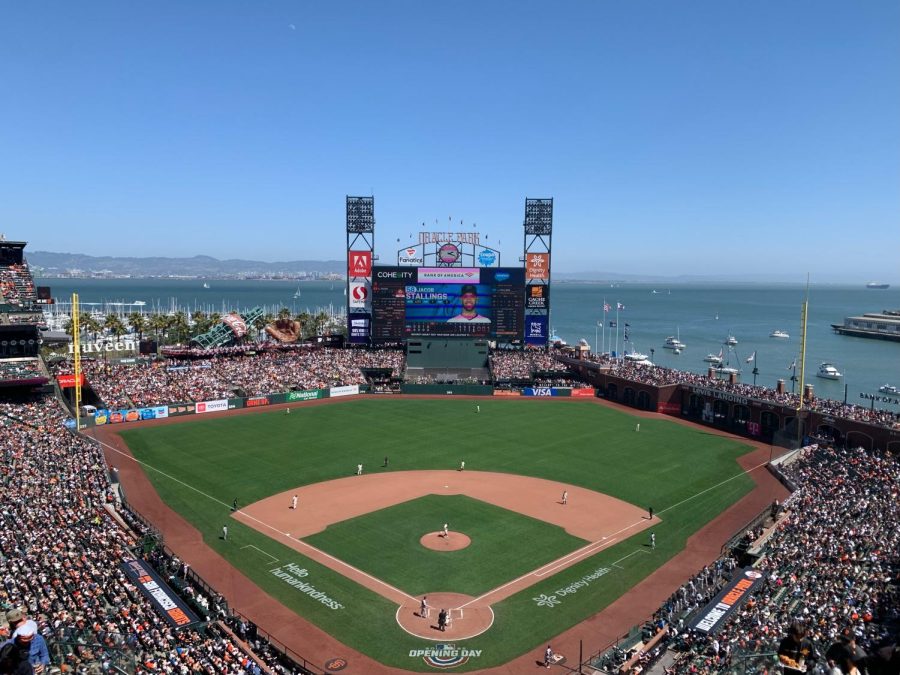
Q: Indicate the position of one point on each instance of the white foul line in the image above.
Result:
(309, 547)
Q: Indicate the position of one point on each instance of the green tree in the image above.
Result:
(305, 319)
(179, 326)
(138, 323)
(159, 324)
(114, 326)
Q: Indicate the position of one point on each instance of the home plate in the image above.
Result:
(446, 486)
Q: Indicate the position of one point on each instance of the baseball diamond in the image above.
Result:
(344, 572)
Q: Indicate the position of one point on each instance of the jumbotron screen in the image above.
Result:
(484, 302)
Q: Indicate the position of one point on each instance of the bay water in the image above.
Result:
(701, 315)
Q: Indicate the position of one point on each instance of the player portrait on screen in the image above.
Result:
(469, 298)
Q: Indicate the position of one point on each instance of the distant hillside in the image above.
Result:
(54, 264)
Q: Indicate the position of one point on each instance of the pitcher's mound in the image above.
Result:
(436, 541)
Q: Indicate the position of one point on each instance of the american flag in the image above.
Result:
(606, 307)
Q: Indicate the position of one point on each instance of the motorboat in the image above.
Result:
(828, 372)
(889, 389)
(673, 342)
(635, 356)
(727, 370)
(731, 341)
(715, 359)
(779, 334)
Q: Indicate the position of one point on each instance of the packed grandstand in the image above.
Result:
(828, 557)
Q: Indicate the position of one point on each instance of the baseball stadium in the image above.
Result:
(440, 485)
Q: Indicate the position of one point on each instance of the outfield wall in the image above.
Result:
(104, 417)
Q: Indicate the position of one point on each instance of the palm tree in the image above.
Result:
(113, 324)
(180, 326)
(260, 323)
(138, 323)
(284, 313)
(90, 325)
(159, 324)
(305, 319)
(320, 321)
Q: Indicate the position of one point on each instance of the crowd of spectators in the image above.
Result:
(830, 568)
(60, 555)
(659, 376)
(522, 365)
(184, 380)
(17, 285)
(20, 369)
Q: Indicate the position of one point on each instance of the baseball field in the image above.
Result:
(517, 566)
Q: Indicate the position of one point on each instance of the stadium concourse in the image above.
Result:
(830, 561)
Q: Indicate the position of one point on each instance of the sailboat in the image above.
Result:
(297, 293)
(205, 285)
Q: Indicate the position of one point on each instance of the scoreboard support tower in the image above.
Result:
(538, 240)
(360, 258)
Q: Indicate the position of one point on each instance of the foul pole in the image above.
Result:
(804, 312)
(76, 344)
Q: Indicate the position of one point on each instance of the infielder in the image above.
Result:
(294, 502)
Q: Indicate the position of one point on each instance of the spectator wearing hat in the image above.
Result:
(14, 653)
(39, 655)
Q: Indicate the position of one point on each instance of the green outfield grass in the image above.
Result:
(505, 545)
(688, 475)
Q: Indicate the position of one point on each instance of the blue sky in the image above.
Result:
(679, 138)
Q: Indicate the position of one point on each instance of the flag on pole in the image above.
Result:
(619, 306)
(751, 358)
(612, 324)
(627, 325)
(606, 307)
(793, 365)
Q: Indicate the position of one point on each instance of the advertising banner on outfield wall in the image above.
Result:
(540, 391)
(159, 593)
(728, 601)
(583, 391)
(212, 406)
(507, 392)
(307, 395)
(257, 401)
(102, 417)
(349, 390)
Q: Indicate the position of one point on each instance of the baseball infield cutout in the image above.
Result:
(453, 541)
(595, 517)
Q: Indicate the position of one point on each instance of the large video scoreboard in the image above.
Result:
(483, 302)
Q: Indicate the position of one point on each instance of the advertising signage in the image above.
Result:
(161, 596)
(536, 330)
(537, 296)
(359, 264)
(360, 327)
(537, 266)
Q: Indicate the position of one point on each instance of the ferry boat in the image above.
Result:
(889, 389)
(715, 359)
(828, 372)
(876, 285)
(779, 334)
(879, 326)
(731, 341)
(635, 355)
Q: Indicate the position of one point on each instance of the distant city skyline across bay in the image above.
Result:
(708, 139)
